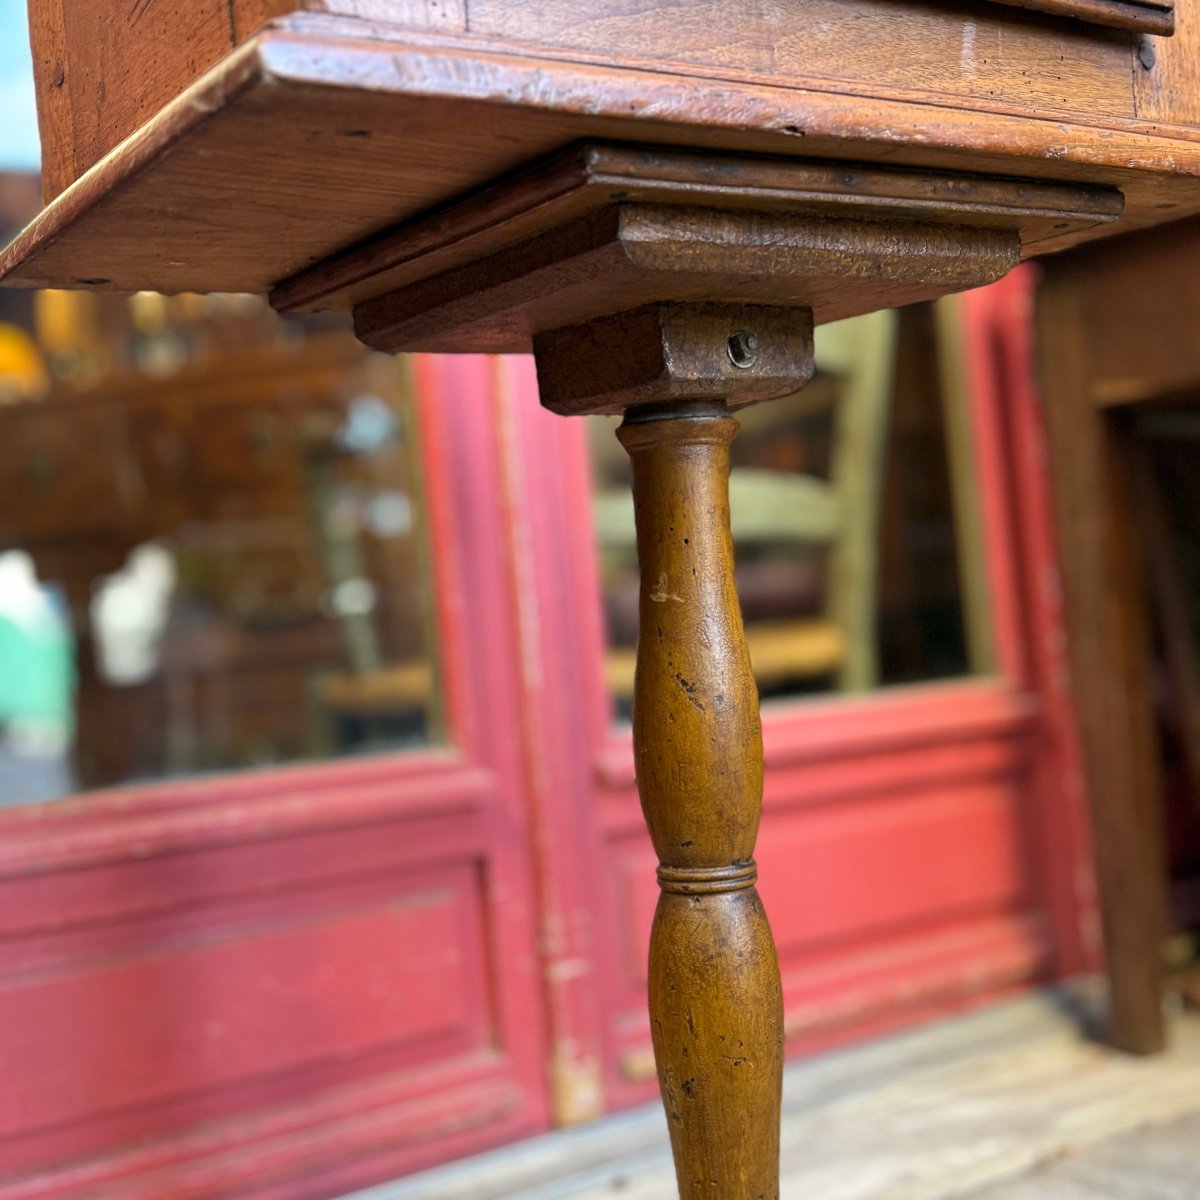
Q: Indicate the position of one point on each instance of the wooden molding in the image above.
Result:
(593, 176)
(1138, 16)
(602, 229)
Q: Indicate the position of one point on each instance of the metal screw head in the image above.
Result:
(742, 349)
(1146, 55)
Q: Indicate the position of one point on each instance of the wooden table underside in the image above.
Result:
(321, 132)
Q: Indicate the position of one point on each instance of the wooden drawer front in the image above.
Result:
(981, 56)
(58, 478)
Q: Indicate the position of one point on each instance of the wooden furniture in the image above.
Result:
(231, 462)
(839, 515)
(662, 231)
(1117, 326)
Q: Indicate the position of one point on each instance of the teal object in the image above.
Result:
(36, 673)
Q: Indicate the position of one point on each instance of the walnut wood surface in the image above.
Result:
(512, 217)
(1157, 16)
(634, 255)
(148, 52)
(735, 352)
(606, 229)
(715, 998)
(1104, 579)
(911, 44)
(323, 131)
(100, 70)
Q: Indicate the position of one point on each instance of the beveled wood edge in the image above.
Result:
(592, 174)
(1136, 16)
(837, 124)
(240, 71)
(291, 57)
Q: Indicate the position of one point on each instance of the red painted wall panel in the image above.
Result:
(217, 1009)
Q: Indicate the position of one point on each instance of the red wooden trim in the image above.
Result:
(898, 775)
(380, 1117)
(221, 813)
(850, 728)
(462, 450)
(998, 323)
(556, 618)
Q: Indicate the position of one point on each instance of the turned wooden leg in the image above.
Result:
(716, 1005)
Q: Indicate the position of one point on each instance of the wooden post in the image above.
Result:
(716, 1004)
(1104, 577)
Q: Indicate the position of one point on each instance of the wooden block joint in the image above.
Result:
(660, 353)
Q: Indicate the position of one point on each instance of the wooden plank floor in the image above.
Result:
(1008, 1104)
(1161, 1162)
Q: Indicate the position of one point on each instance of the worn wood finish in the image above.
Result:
(1166, 76)
(634, 255)
(231, 165)
(149, 52)
(675, 352)
(100, 72)
(715, 999)
(1106, 602)
(912, 44)
(527, 253)
(1138, 298)
(1156, 16)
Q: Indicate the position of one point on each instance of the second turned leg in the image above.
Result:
(715, 998)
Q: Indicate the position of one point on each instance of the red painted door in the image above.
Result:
(295, 981)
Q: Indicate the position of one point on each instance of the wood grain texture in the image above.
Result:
(519, 211)
(1166, 73)
(123, 63)
(606, 229)
(1106, 604)
(47, 44)
(100, 70)
(230, 166)
(664, 352)
(716, 1004)
(635, 255)
(986, 55)
(149, 53)
(1138, 299)
(1157, 16)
